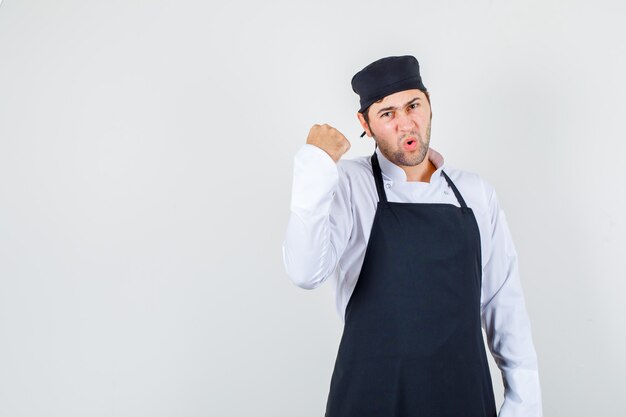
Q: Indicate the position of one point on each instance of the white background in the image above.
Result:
(146, 152)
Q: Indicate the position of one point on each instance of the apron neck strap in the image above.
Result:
(456, 190)
(380, 187)
(378, 178)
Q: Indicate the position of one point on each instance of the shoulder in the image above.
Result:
(355, 174)
(355, 168)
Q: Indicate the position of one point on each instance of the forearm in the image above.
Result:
(317, 225)
(510, 340)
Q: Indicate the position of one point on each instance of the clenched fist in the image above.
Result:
(329, 139)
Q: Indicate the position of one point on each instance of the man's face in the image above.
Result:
(400, 124)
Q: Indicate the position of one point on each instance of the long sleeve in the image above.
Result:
(320, 219)
(506, 322)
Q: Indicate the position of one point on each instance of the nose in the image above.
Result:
(405, 122)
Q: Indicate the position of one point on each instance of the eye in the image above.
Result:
(414, 105)
(386, 114)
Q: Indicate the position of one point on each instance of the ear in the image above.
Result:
(364, 124)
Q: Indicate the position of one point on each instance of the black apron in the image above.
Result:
(412, 344)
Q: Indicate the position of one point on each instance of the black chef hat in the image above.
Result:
(386, 76)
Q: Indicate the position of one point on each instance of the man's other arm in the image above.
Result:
(506, 322)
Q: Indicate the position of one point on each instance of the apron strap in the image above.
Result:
(378, 178)
(456, 191)
(380, 188)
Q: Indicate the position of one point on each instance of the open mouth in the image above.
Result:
(410, 144)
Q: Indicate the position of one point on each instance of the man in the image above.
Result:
(420, 256)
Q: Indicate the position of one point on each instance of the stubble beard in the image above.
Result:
(400, 157)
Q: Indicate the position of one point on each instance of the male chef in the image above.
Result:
(420, 257)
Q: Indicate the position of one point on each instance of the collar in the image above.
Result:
(394, 173)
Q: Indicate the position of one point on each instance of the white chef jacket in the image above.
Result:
(332, 212)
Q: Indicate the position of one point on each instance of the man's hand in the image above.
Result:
(329, 139)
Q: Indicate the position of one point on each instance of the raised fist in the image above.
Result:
(329, 139)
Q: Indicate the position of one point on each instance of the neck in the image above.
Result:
(421, 172)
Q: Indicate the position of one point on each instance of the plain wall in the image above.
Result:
(146, 152)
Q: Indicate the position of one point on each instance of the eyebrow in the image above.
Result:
(408, 103)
